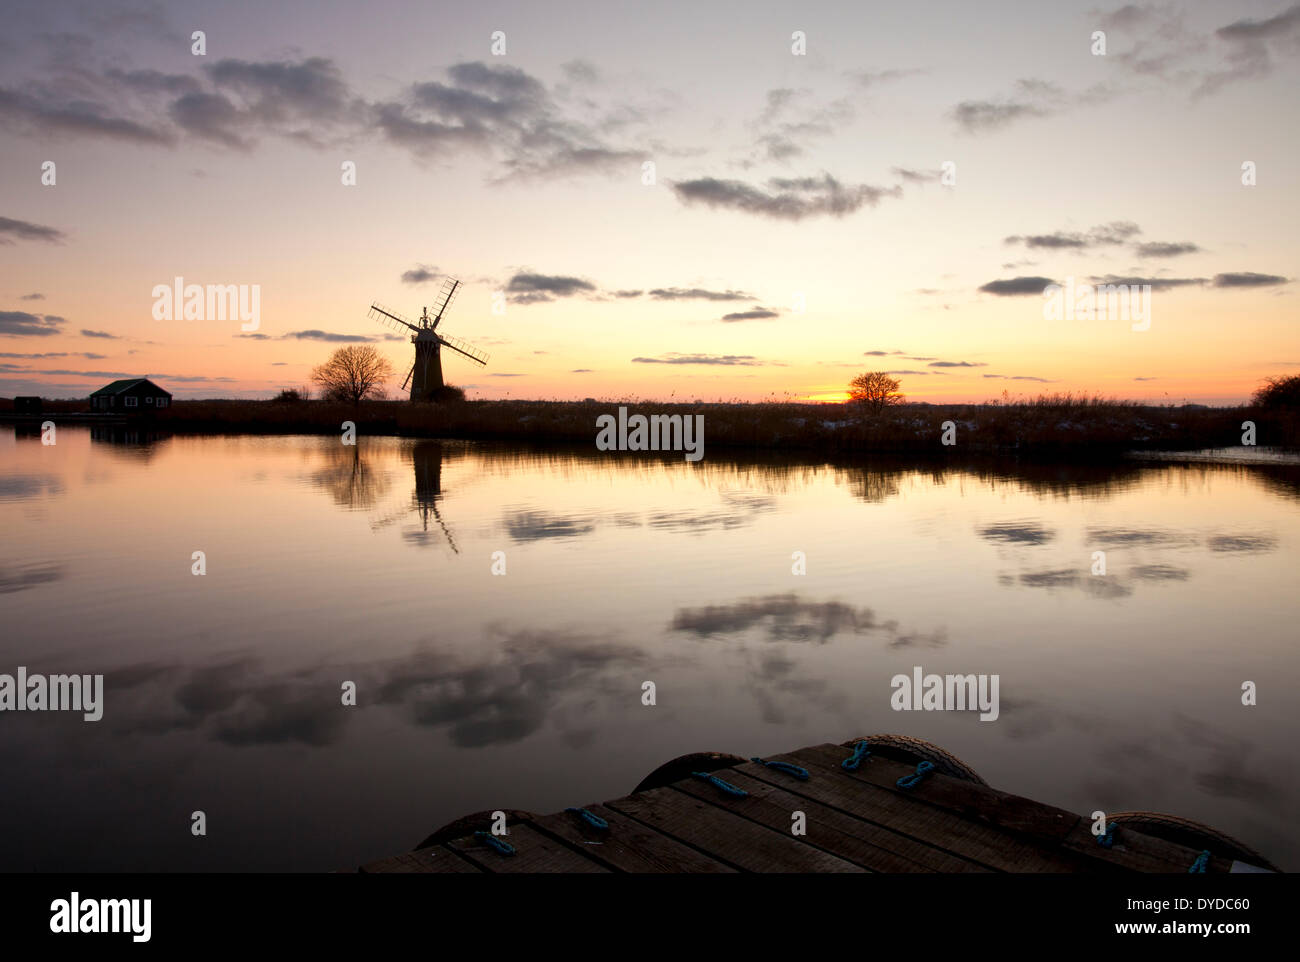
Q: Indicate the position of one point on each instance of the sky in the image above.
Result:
(660, 201)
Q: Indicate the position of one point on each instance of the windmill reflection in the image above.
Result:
(426, 456)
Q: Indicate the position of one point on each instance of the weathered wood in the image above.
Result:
(433, 859)
(908, 813)
(823, 800)
(628, 845)
(726, 835)
(534, 852)
(1135, 852)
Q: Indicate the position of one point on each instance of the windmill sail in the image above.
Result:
(391, 319)
(464, 347)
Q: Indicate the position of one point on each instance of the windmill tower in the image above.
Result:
(425, 376)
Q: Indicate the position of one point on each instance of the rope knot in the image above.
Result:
(911, 781)
(794, 770)
(724, 786)
(859, 753)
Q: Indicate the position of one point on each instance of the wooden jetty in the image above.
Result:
(857, 820)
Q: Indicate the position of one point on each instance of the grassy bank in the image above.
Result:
(1058, 423)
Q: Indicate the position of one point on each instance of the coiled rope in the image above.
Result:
(859, 753)
(1108, 839)
(724, 786)
(595, 821)
(1201, 865)
(911, 781)
(795, 770)
(487, 838)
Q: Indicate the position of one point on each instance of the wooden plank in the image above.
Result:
(628, 845)
(854, 839)
(534, 852)
(1137, 852)
(1011, 812)
(432, 859)
(908, 813)
(712, 828)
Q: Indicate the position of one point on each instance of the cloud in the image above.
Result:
(86, 354)
(1116, 232)
(32, 297)
(44, 114)
(729, 360)
(784, 198)
(698, 294)
(627, 294)
(23, 324)
(873, 78)
(11, 230)
(1018, 377)
(1157, 283)
(255, 337)
(1163, 249)
(1251, 46)
(1249, 279)
(420, 274)
(581, 370)
(103, 334)
(1032, 98)
(314, 335)
(527, 288)
(500, 110)
(958, 364)
(758, 314)
(917, 176)
(1016, 286)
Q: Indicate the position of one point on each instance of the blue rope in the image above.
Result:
(859, 753)
(595, 821)
(1108, 839)
(911, 781)
(505, 848)
(729, 789)
(795, 770)
(1201, 865)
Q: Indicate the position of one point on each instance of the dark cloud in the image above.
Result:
(1249, 279)
(978, 116)
(1116, 232)
(527, 288)
(102, 334)
(758, 314)
(917, 176)
(1157, 283)
(11, 230)
(958, 364)
(626, 294)
(154, 81)
(1252, 46)
(1165, 249)
(45, 114)
(784, 198)
(33, 357)
(420, 274)
(210, 117)
(23, 324)
(314, 335)
(1016, 286)
(727, 360)
(581, 370)
(32, 297)
(1018, 377)
(696, 293)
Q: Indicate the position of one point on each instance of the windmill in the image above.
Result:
(425, 375)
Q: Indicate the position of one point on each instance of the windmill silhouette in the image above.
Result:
(425, 375)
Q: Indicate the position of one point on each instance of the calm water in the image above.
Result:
(328, 564)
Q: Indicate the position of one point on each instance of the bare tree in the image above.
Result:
(353, 374)
(874, 391)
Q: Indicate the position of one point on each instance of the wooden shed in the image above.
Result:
(133, 395)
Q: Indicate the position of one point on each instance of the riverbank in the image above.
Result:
(1060, 424)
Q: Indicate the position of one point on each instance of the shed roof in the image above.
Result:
(117, 387)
